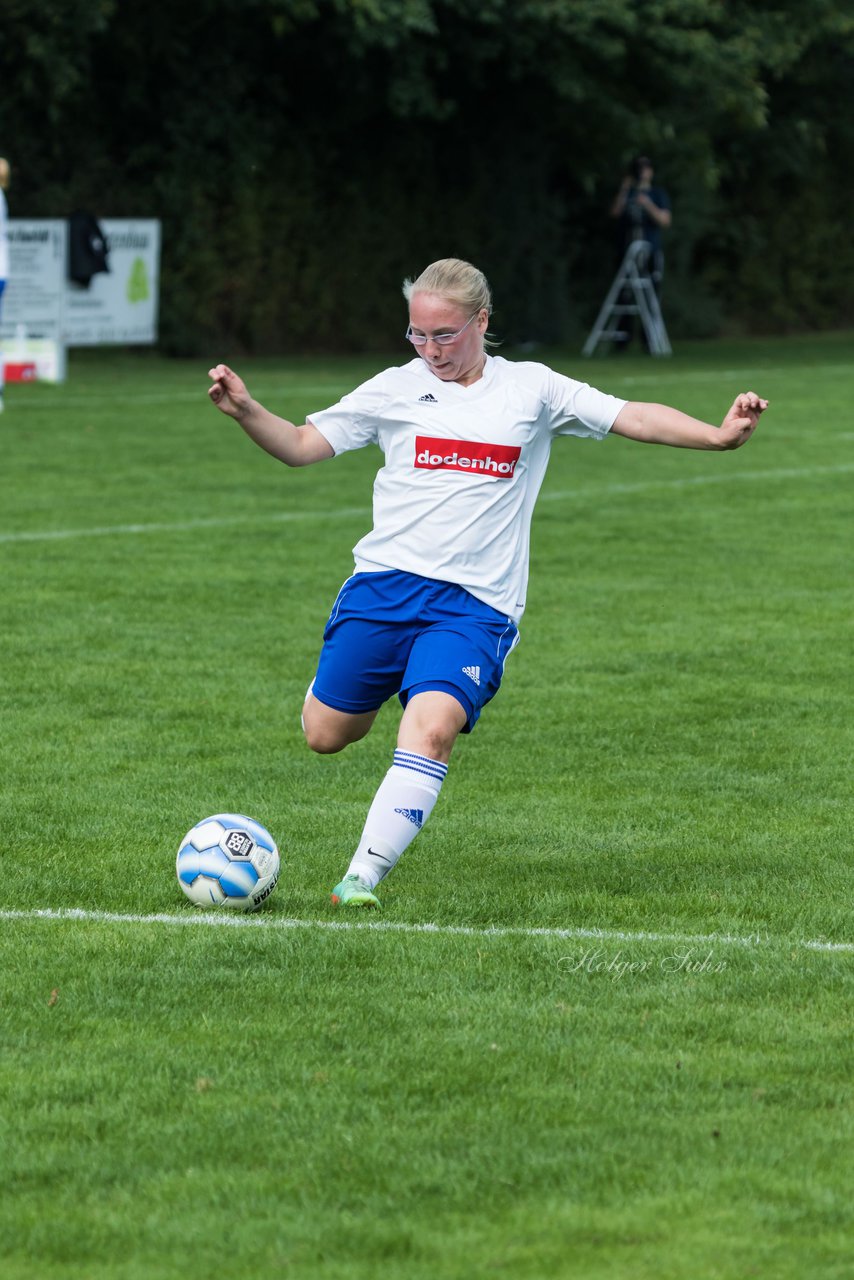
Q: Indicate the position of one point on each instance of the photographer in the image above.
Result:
(642, 211)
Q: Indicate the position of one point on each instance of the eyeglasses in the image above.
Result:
(441, 339)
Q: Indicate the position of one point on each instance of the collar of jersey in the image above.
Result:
(455, 387)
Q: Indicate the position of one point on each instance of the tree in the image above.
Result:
(306, 154)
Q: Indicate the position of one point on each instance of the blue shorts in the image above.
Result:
(394, 632)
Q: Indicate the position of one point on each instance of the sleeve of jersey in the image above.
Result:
(354, 421)
(576, 409)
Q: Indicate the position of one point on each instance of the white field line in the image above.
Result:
(113, 398)
(587, 494)
(662, 374)
(181, 526)
(757, 373)
(224, 919)
(688, 482)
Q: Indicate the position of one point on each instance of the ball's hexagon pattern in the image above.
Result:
(228, 861)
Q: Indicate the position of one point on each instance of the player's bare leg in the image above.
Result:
(328, 730)
(431, 725)
(406, 796)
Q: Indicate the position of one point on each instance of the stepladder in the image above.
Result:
(632, 294)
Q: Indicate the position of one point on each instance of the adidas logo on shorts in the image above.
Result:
(428, 399)
(473, 673)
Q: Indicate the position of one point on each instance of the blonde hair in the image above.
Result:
(455, 281)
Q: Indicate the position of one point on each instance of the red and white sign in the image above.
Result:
(20, 371)
(434, 454)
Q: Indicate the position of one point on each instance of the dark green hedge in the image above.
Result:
(305, 155)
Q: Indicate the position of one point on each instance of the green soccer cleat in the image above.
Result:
(353, 892)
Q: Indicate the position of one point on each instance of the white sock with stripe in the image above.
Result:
(403, 803)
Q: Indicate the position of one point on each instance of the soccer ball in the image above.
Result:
(228, 861)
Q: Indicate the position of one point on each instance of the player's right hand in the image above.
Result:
(228, 392)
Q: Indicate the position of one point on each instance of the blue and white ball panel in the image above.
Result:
(239, 879)
(237, 821)
(205, 835)
(194, 862)
(206, 890)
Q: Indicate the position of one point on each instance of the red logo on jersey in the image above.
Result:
(498, 460)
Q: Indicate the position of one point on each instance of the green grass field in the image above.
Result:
(623, 1047)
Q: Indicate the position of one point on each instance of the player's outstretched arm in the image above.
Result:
(659, 424)
(296, 446)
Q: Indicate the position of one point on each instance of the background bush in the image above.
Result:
(305, 155)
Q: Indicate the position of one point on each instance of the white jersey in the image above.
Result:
(463, 467)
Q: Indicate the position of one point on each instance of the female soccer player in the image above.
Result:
(431, 610)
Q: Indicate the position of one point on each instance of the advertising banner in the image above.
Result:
(119, 307)
(35, 290)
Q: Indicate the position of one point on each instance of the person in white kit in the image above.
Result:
(432, 608)
(4, 253)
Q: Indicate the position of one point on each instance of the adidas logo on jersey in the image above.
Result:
(415, 816)
(428, 399)
(473, 673)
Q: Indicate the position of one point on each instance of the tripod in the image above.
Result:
(631, 281)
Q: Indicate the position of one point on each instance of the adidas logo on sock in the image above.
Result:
(473, 673)
(428, 399)
(415, 816)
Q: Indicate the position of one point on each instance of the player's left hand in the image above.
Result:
(741, 420)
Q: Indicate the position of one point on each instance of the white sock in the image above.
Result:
(400, 808)
(308, 694)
